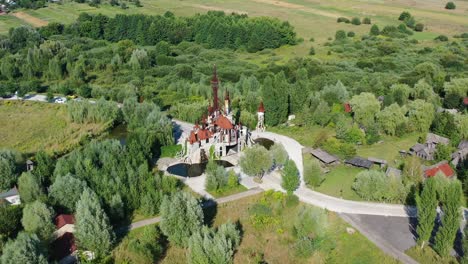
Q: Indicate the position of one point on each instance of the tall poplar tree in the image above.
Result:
(427, 205)
(451, 218)
(92, 228)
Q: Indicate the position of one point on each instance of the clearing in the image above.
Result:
(32, 126)
(34, 21)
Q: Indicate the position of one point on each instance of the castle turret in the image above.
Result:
(227, 103)
(261, 117)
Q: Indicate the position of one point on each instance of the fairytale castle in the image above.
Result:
(218, 130)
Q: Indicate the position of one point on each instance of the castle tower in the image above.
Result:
(215, 87)
(261, 118)
(227, 103)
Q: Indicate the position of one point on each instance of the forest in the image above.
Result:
(160, 66)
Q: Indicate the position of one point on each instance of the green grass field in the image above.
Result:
(311, 18)
(7, 22)
(304, 135)
(340, 178)
(31, 126)
(428, 256)
(275, 243)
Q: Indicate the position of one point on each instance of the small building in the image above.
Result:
(393, 172)
(461, 153)
(29, 165)
(11, 196)
(426, 151)
(360, 162)
(347, 108)
(324, 156)
(64, 223)
(441, 167)
(432, 140)
(381, 162)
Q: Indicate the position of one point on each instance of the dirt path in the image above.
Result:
(298, 7)
(215, 8)
(37, 22)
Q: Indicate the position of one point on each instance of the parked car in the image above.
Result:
(60, 100)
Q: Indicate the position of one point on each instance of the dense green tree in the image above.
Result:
(10, 221)
(451, 202)
(412, 170)
(7, 169)
(275, 99)
(216, 177)
(450, 5)
(290, 177)
(365, 107)
(321, 114)
(279, 154)
(461, 122)
(208, 246)
(420, 115)
(313, 173)
(92, 228)
(391, 117)
(255, 161)
(44, 167)
(376, 186)
(400, 93)
(37, 218)
(404, 15)
(30, 188)
(26, 248)
(426, 204)
(340, 35)
(145, 248)
(374, 31)
(66, 191)
(181, 217)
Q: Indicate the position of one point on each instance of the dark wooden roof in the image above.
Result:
(360, 162)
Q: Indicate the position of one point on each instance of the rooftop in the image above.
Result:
(360, 162)
(324, 156)
(442, 167)
(12, 192)
(64, 219)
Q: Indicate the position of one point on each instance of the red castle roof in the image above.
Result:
(444, 168)
(224, 123)
(261, 108)
(64, 219)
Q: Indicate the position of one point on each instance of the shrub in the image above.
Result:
(312, 172)
(404, 15)
(351, 34)
(233, 179)
(290, 177)
(342, 19)
(374, 31)
(356, 21)
(340, 35)
(450, 5)
(376, 186)
(441, 38)
(312, 51)
(366, 20)
(419, 27)
(216, 177)
(312, 39)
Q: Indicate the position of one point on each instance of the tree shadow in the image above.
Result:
(210, 210)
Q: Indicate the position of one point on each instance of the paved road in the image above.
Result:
(209, 203)
(390, 235)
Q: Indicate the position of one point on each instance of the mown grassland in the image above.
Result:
(32, 126)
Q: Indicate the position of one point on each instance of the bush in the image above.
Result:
(404, 15)
(376, 186)
(343, 19)
(313, 176)
(216, 177)
(374, 31)
(366, 20)
(419, 27)
(450, 5)
(356, 21)
(351, 34)
(340, 35)
(441, 38)
(312, 51)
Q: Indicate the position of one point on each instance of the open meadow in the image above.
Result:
(311, 18)
(31, 126)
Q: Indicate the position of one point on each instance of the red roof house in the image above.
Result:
(261, 108)
(442, 167)
(224, 123)
(465, 101)
(64, 219)
(347, 108)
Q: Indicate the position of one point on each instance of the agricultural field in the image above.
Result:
(31, 126)
(311, 18)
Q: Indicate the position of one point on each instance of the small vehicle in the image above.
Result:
(60, 100)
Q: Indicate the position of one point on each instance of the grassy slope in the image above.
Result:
(428, 256)
(275, 242)
(311, 18)
(30, 126)
(7, 22)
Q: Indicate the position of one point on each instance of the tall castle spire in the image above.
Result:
(215, 87)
